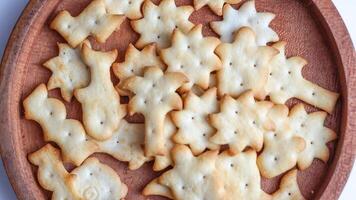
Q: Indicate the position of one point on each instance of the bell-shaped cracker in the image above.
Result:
(135, 62)
(215, 5)
(192, 177)
(91, 180)
(241, 123)
(288, 188)
(246, 16)
(281, 146)
(193, 55)
(245, 65)
(158, 22)
(240, 175)
(194, 128)
(68, 71)
(129, 8)
(93, 20)
(311, 128)
(155, 95)
(101, 107)
(286, 81)
(68, 134)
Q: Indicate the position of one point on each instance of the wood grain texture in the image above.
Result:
(312, 28)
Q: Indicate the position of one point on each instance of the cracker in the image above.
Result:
(126, 144)
(240, 176)
(246, 16)
(245, 65)
(288, 188)
(51, 174)
(68, 71)
(286, 81)
(130, 8)
(154, 97)
(241, 123)
(192, 177)
(311, 128)
(158, 22)
(68, 134)
(101, 107)
(193, 55)
(162, 162)
(93, 20)
(215, 5)
(94, 180)
(281, 146)
(155, 188)
(135, 62)
(192, 122)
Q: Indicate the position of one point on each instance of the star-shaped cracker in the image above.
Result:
(68, 71)
(155, 188)
(155, 95)
(93, 20)
(92, 180)
(215, 5)
(68, 134)
(288, 188)
(135, 62)
(129, 8)
(241, 123)
(245, 65)
(246, 16)
(158, 22)
(126, 144)
(281, 146)
(311, 128)
(240, 176)
(101, 107)
(192, 177)
(193, 55)
(192, 122)
(162, 162)
(286, 81)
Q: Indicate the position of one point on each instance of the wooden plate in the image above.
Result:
(312, 28)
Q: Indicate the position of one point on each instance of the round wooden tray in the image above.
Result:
(312, 28)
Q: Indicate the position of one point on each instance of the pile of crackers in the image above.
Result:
(214, 109)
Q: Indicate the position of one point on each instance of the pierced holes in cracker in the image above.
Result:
(313, 94)
(235, 132)
(90, 174)
(230, 63)
(255, 65)
(275, 159)
(241, 84)
(270, 74)
(158, 37)
(246, 185)
(204, 134)
(232, 165)
(311, 142)
(289, 194)
(158, 17)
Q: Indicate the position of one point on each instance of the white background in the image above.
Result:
(10, 10)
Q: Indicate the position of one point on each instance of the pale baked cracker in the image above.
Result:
(158, 22)
(93, 20)
(245, 65)
(155, 188)
(155, 95)
(130, 8)
(288, 188)
(240, 176)
(126, 144)
(286, 81)
(194, 129)
(94, 180)
(311, 128)
(192, 177)
(68, 71)
(135, 62)
(68, 134)
(246, 16)
(281, 146)
(101, 107)
(162, 162)
(193, 55)
(215, 5)
(241, 123)
(51, 174)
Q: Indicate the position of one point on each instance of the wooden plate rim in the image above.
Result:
(330, 21)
